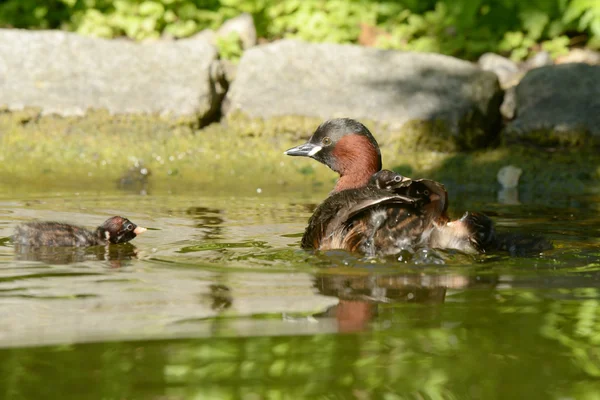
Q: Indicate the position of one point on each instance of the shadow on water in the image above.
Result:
(217, 301)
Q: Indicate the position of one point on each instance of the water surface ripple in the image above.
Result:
(217, 300)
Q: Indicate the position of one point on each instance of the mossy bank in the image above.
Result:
(99, 150)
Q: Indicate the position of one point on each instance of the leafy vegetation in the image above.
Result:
(464, 28)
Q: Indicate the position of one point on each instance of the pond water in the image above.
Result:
(217, 301)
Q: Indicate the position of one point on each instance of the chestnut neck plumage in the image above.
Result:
(357, 159)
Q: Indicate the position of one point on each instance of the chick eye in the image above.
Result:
(326, 141)
(129, 227)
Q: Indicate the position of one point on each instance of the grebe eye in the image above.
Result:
(326, 141)
(129, 227)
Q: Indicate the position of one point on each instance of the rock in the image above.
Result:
(580, 56)
(229, 70)
(207, 35)
(558, 105)
(509, 104)
(64, 73)
(243, 25)
(508, 176)
(506, 69)
(421, 100)
(508, 196)
(540, 59)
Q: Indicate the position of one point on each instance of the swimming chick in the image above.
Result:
(379, 212)
(114, 230)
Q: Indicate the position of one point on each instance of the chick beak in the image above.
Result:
(304, 150)
(139, 230)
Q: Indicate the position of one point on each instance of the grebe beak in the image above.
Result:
(304, 150)
(139, 230)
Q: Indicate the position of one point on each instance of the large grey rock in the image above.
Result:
(558, 105)
(66, 74)
(426, 100)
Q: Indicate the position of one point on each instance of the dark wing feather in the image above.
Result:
(342, 220)
(390, 208)
(332, 213)
(370, 203)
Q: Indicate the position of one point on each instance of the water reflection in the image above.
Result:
(208, 220)
(220, 297)
(116, 255)
(361, 296)
(477, 346)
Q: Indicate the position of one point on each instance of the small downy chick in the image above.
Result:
(114, 230)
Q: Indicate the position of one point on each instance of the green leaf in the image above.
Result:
(181, 28)
(151, 8)
(534, 23)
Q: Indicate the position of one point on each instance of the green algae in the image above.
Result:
(566, 170)
(99, 148)
(572, 136)
(433, 135)
(242, 154)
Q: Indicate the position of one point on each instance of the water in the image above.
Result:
(216, 301)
